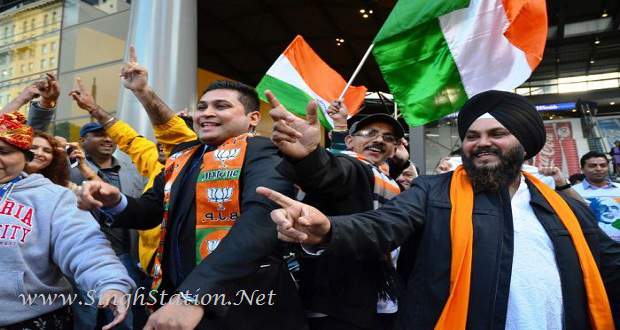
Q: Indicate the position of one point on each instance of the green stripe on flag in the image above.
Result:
(416, 62)
(294, 99)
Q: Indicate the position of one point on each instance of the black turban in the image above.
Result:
(513, 111)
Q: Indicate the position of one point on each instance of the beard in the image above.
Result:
(493, 178)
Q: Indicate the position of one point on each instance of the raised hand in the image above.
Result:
(77, 152)
(295, 137)
(555, 173)
(49, 91)
(338, 112)
(117, 302)
(29, 93)
(82, 97)
(95, 194)
(401, 155)
(297, 222)
(134, 76)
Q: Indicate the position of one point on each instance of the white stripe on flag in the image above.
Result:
(283, 70)
(484, 57)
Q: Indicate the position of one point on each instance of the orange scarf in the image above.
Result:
(454, 314)
(217, 197)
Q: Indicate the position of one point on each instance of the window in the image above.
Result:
(22, 68)
(52, 62)
(53, 46)
(43, 64)
(20, 56)
(6, 31)
(54, 18)
(32, 24)
(45, 20)
(31, 53)
(30, 66)
(10, 71)
(24, 26)
(44, 49)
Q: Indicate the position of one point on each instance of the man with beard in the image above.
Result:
(343, 292)
(99, 149)
(494, 248)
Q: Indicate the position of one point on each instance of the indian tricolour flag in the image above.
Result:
(435, 54)
(300, 75)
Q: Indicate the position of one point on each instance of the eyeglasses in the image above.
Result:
(373, 133)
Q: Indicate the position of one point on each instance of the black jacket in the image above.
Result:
(419, 220)
(339, 286)
(249, 257)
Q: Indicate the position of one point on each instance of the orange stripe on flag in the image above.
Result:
(528, 27)
(322, 79)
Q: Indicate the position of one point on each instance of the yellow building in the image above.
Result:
(29, 45)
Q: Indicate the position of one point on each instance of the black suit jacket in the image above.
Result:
(342, 287)
(248, 258)
(419, 220)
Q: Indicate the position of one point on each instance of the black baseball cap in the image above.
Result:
(399, 132)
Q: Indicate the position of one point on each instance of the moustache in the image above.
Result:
(486, 150)
(378, 146)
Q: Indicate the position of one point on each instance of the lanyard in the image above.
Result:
(6, 188)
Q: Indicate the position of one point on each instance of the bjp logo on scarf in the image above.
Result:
(226, 154)
(220, 196)
(210, 239)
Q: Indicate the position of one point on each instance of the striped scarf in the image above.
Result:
(385, 188)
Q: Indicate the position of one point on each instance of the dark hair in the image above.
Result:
(58, 170)
(576, 178)
(592, 154)
(247, 95)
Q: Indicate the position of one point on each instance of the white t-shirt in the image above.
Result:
(605, 204)
(535, 297)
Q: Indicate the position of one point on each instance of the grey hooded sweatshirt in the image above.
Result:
(45, 239)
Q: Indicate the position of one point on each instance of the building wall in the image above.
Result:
(29, 45)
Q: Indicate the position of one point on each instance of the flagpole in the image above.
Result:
(357, 70)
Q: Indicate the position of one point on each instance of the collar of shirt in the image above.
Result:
(587, 185)
(115, 164)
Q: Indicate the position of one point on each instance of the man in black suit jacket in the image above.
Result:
(248, 257)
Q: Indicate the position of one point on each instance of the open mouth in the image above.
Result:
(207, 124)
(375, 148)
(486, 153)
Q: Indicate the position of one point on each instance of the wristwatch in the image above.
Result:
(563, 187)
(189, 299)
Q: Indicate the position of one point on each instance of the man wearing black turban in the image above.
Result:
(513, 111)
(485, 246)
(499, 130)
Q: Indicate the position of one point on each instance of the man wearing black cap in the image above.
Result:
(343, 292)
(494, 247)
(99, 149)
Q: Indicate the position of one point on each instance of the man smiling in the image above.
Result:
(337, 183)
(494, 247)
(216, 234)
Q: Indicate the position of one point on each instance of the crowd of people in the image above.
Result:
(341, 237)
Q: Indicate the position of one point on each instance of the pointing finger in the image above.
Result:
(311, 116)
(275, 196)
(132, 54)
(273, 101)
(80, 85)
